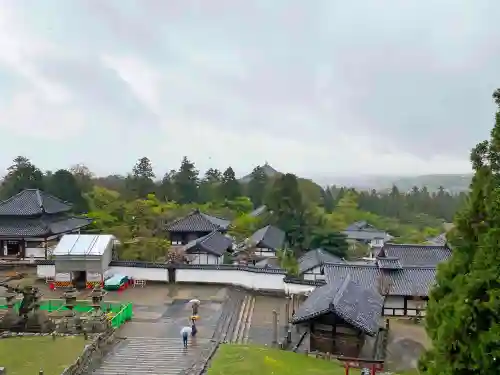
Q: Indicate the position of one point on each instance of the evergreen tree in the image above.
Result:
(257, 185)
(230, 188)
(209, 185)
(328, 240)
(166, 189)
(289, 210)
(21, 175)
(64, 185)
(140, 182)
(186, 182)
(463, 318)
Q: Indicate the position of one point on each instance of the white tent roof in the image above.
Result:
(83, 244)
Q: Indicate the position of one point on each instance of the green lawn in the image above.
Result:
(256, 360)
(29, 355)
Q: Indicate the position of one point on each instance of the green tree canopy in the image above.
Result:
(22, 174)
(463, 315)
(63, 184)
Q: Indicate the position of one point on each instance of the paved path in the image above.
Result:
(153, 345)
(147, 355)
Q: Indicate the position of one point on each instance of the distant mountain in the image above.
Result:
(268, 170)
(452, 182)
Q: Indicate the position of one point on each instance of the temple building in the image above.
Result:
(193, 226)
(33, 221)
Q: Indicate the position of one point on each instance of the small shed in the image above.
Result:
(82, 259)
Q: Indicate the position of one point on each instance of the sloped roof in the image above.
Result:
(197, 221)
(213, 243)
(258, 211)
(40, 227)
(33, 202)
(407, 281)
(416, 255)
(315, 258)
(362, 231)
(389, 263)
(361, 307)
(83, 244)
(268, 237)
(438, 240)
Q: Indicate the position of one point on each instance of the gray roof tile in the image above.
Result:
(416, 255)
(407, 281)
(356, 305)
(268, 237)
(258, 211)
(389, 263)
(40, 227)
(197, 221)
(33, 202)
(315, 258)
(214, 243)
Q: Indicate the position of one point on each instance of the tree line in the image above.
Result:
(135, 206)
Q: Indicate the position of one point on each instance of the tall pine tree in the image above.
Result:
(463, 315)
(186, 182)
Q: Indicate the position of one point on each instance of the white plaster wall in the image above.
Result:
(204, 258)
(314, 274)
(150, 274)
(290, 288)
(35, 252)
(263, 252)
(63, 276)
(43, 271)
(251, 280)
(394, 305)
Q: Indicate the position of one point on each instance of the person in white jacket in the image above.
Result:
(185, 332)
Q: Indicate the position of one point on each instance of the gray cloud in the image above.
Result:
(410, 77)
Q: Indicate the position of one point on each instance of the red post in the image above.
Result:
(374, 369)
(346, 365)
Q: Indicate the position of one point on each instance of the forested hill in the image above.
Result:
(454, 183)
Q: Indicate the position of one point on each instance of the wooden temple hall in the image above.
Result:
(340, 317)
(32, 221)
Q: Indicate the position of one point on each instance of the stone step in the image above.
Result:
(146, 355)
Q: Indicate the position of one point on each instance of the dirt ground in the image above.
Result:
(407, 342)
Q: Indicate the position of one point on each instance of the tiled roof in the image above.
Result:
(439, 240)
(315, 258)
(407, 281)
(214, 243)
(356, 305)
(416, 255)
(197, 221)
(40, 227)
(258, 211)
(389, 263)
(268, 237)
(33, 202)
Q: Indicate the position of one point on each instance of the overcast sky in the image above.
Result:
(313, 87)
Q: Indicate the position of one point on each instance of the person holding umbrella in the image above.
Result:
(195, 304)
(185, 332)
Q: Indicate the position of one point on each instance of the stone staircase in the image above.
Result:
(244, 321)
(152, 356)
(158, 355)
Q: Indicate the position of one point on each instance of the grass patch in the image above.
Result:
(29, 355)
(256, 360)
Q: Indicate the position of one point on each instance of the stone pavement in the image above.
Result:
(147, 355)
(152, 343)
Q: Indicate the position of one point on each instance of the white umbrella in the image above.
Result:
(193, 301)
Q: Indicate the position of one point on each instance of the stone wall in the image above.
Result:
(92, 354)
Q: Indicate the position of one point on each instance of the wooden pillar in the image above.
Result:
(46, 247)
